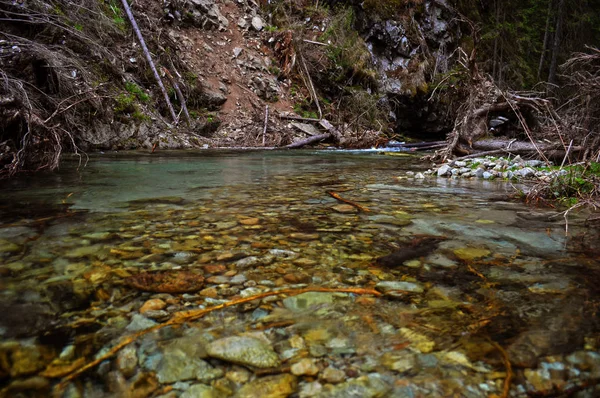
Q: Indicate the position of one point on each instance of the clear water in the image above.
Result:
(505, 272)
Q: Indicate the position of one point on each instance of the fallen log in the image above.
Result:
(523, 147)
(333, 132)
(416, 144)
(499, 146)
(307, 141)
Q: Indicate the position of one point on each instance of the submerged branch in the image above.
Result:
(182, 317)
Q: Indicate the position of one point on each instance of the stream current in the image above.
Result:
(502, 285)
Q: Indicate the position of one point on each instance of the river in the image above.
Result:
(484, 295)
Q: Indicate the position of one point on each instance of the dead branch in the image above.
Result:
(351, 203)
(308, 141)
(265, 126)
(138, 33)
(179, 95)
(311, 87)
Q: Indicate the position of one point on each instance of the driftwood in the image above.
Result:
(333, 132)
(307, 141)
(500, 146)
(149, 58)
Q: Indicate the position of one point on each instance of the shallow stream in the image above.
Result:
(484, 295)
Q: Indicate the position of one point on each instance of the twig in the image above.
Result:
(179, 95)
(508, 366)
(180, 318)
(266, 122)
(338, 197)
(315, 42)
(303, 119)
(311, 88)
(566, 154)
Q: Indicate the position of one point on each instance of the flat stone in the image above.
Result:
(305, 262)
(278, 386)
(305, 367)
(471, 253)
(345, 209)
(333, 375)
(307, 300)
(303, 236)
(178, 365)
(249, 221)
(244, 350)
(390, 286)
(139, 322)
(209, 292)
(371, 386)
(238, 279)
(248, 262)
(81, 251)
(200, 391)
(283, 254)
(215, 268)
(218, 279)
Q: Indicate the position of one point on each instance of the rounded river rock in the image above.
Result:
(244, 350)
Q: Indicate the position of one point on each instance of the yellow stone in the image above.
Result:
(152, 305)
(249, 221)
(418, 341)
(482, 221)
(471, 253)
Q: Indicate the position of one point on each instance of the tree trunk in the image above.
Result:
(546, 43)
(496, 39)
(556, 44)
(149, 58)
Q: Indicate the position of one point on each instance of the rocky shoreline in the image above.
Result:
(490, 168)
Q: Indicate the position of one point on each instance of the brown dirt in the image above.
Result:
(210, 54)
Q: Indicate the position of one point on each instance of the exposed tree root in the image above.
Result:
(182, 317)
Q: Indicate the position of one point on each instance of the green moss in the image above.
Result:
(125, 104)
(134, 89)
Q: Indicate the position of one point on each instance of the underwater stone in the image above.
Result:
(244, 350)
(279, 386)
